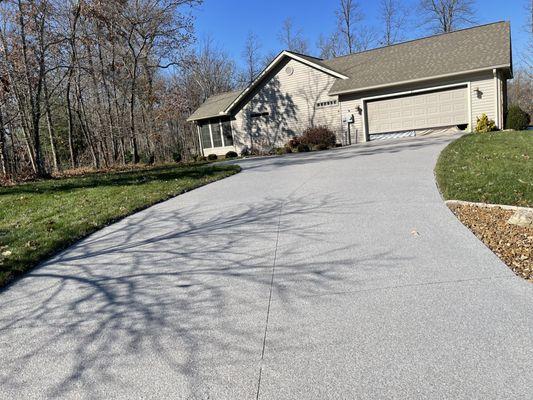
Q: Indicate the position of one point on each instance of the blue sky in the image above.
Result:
(229, 21)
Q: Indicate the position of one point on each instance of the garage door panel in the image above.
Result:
(421, 111)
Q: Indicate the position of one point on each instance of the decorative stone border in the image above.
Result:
(487, 205)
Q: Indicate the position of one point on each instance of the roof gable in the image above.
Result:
(307, 60)
(222, 104)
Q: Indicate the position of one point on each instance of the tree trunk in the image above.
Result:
(50, 125)
(133, 139)
(3, 150)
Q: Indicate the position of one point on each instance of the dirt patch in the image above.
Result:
(513, 244)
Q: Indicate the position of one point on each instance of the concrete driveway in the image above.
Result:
(337, 275)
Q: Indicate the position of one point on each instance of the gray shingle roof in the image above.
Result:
(484, 46)
(214, 105)
(315, 60)
(465, 50)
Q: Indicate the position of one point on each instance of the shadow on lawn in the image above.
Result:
(125, 178)
(177, 290)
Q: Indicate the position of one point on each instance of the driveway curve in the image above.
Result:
(338, 274)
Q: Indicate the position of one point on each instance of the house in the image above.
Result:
(411, 88)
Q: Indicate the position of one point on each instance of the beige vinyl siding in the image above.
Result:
(291, 101)
(486, 103)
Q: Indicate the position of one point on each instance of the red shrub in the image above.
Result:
(318, 135)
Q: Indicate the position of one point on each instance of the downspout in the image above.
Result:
(497, 97)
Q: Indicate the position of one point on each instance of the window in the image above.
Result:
(226, 131)
(205, 136)
(259, 114)
(215, 131)
(329, 103)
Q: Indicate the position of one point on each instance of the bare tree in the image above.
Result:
(351, 35)
(393, 16)
(520, 90)
(329, 46)
(447, 15)
(211, 71)
(528, 53)
(89, 73)
(349, 15)
(292, 38)
(252, 57)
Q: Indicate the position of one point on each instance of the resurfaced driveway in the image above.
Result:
(330, 275)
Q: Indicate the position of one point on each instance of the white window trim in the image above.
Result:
(211, 137)
(221, 131)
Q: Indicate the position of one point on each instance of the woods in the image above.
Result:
(88, 83)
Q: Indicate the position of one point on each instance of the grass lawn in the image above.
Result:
(492, 168)
(37, 219)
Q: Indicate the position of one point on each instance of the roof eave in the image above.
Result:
(363, 89)
(220, 114)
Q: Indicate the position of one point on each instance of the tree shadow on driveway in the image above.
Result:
(176, 292)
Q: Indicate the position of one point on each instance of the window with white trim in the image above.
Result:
(227, 133)
(205, 136)
(216, 133)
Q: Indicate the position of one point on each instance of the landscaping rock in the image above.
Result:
(522, 218)
(512, 243)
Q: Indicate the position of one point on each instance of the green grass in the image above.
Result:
(492, 167)
(40, 218)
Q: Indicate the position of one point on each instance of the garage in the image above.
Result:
(414, 111)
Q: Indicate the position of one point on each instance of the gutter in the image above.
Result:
(348, 91)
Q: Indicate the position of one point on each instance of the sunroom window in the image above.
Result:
(205, 136)
(226, 131)
(215, 131)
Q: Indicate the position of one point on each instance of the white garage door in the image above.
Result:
(418, 111)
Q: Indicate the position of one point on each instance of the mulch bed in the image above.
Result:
(513, 244)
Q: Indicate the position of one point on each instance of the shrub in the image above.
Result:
(231, 154)
(147, 158)
(294, 142)
(280, 151)
(176, 156)
(484, 124)
(319, 135)
(287, 149)
(212, 157)
(302, 148)
(319, 147)
(517, 119)
(245, 152)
